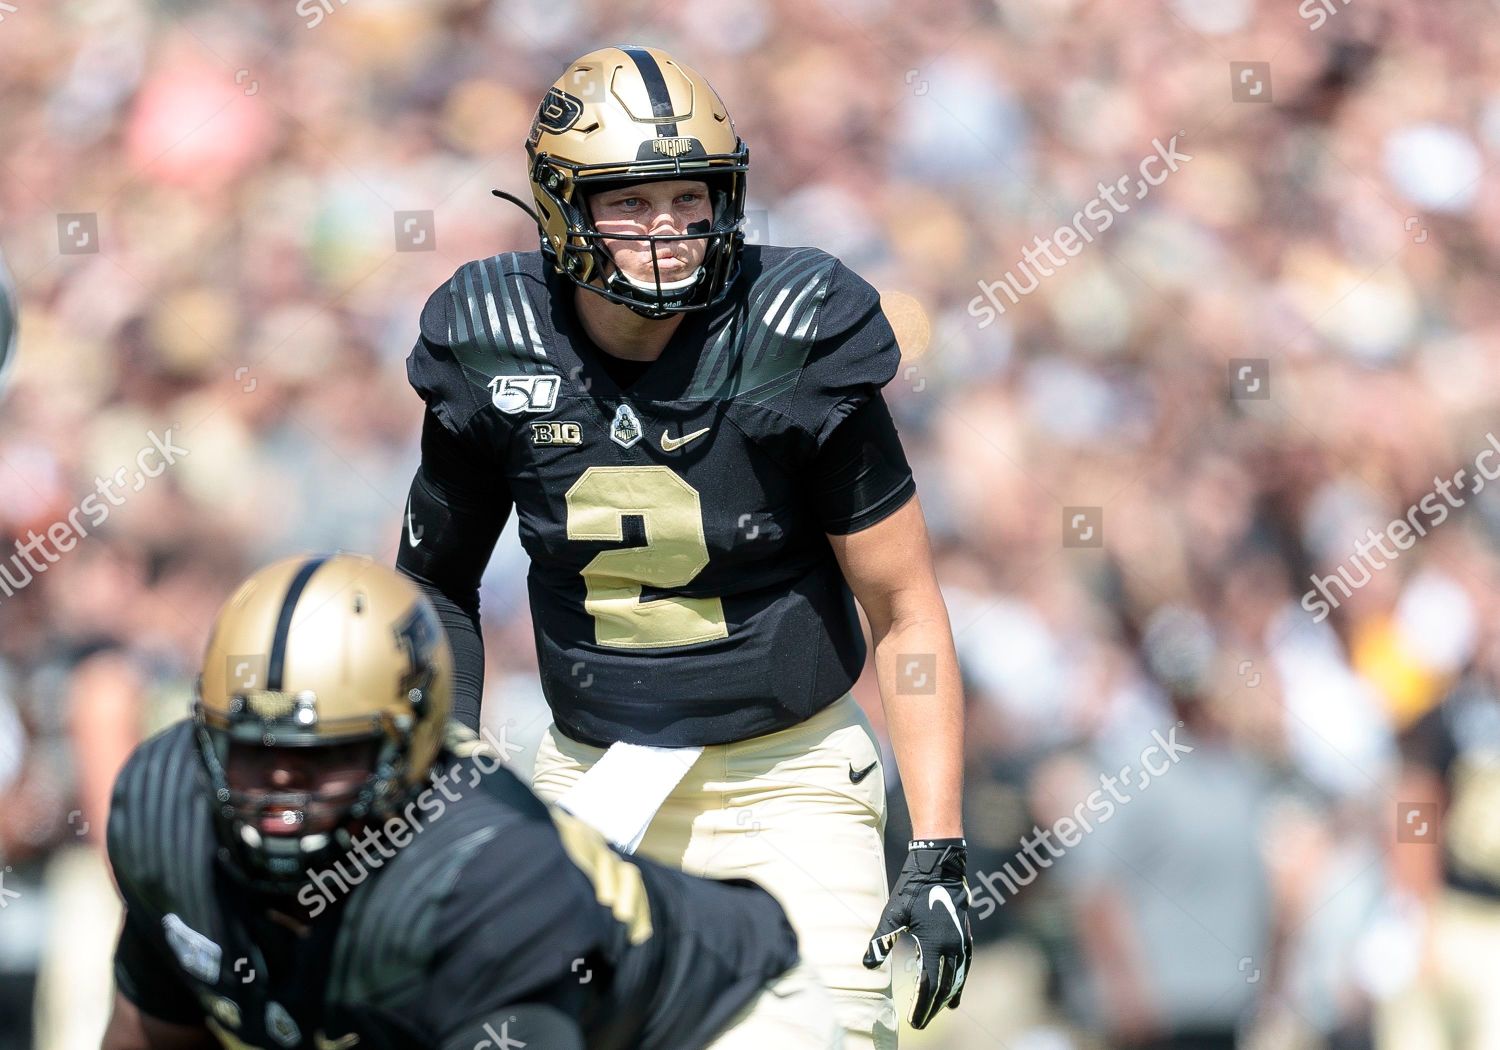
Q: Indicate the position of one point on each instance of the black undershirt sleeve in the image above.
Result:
(860, 475)
(456, 509)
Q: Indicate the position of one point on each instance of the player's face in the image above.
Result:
(334, 774)
(657, 208)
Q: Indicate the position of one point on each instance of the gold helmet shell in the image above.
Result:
(631, 114)
(318, 651)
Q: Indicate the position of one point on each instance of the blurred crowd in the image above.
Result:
(1263, 811)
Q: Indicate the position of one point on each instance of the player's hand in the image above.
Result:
(930, 902)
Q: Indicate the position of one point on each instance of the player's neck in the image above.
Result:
(618, 330)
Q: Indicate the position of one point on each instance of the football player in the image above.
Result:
(691, 432)
(312, 861)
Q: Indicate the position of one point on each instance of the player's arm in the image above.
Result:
(861, 487)
(868, 505)
(866, 500)
(889, 569)
(130, 1029)
(457, 507)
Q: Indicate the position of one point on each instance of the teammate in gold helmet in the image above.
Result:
(331, 668)
(317, 858)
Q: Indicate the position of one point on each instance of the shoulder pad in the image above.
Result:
(490, 318)
(482, 323)
(759, 352)
(160, 836)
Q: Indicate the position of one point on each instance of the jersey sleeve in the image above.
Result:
(455, 511)
(854, 356)
(434, 368)
(860, 476)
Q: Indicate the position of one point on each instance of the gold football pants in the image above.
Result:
(786, 811)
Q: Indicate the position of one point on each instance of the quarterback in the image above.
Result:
(319, 858)
(691, 433)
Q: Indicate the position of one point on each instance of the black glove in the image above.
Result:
(930, 902)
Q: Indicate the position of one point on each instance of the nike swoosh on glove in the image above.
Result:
(930, 902)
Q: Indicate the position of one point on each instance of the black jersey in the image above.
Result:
(683, 590)
(494, 902)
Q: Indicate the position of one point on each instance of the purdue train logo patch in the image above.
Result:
(626, 428)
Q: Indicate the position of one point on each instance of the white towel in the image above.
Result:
(624, 789)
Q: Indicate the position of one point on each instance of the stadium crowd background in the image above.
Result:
(1132, 471)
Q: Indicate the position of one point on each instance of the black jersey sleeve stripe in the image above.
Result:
(487, 313)
(784, 323)
(656, 88)
(158, 820)
(197, 839)
(473, 312)
(508, 325)
(716, 367)
(160, 780)
(524, 343)
(461, 307)
(276, 665)
(517, 278)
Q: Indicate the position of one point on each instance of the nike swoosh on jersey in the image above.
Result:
(856, 775)
(411, 535)
(671, 444)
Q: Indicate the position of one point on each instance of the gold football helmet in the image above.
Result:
(341, 659)
(625, 115)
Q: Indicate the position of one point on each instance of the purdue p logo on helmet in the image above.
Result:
(624, 115)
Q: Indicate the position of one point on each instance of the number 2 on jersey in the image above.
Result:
(675, 552)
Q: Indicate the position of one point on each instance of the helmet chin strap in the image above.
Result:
(666, 286)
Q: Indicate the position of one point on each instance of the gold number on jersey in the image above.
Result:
(617, 882)
(675, 552)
